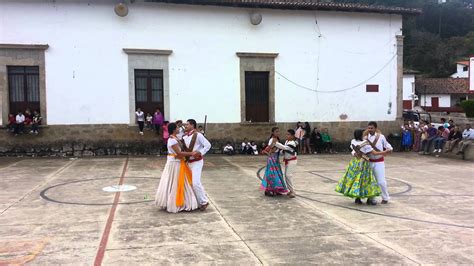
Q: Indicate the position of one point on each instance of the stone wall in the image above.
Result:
(100, 140)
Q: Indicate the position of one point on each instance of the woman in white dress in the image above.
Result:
(175, 191)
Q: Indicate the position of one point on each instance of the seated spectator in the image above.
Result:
(454, 137)
(431, 134)
(254, 148)
(407, 138)
(28, 117)
(327, 141)
(228, 149)
(20, 123)
(245, 147)
(36, 121)
(316, 141)
(444, 123)
(443, 135)
(467, 138)
(451, 124)
(11, 123)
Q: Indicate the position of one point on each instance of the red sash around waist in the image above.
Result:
(379, 160)
(194, 160)
(287, 160)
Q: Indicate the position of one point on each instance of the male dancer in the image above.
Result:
(290, 158)
(378, 143)
(195, 141)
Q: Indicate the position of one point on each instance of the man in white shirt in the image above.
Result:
(467, 138)
(377, 162)
(195, 141)
(20, 123)
(290, 158)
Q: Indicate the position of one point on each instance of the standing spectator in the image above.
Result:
(11, 123)
(432, 133)
(165, 137)
(262, 147)
(158, 120)
(467, 138)
(417, 130)
(254, 148)
(443, 135)
(36, 121)
(181, 129)
(327, 141)
(20, 123)
(454, 137)
(228, 149)
(307, 138)
(140, 117)
(407, 140)
(316, 141)
(149, 121)
(299, 134)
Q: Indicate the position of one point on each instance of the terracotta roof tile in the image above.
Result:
(465, 63)
(298, 5)
(441, 85)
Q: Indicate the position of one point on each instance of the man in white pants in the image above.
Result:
(377, 162)
(195, 141)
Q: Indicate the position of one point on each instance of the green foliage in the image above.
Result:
(436, 39)
(468, 107)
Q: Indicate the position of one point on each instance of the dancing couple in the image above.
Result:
(275, 182)
(180, 187)
(365, 175)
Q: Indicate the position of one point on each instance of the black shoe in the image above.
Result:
(268, 194)
(384, 202)
(358, 201)
(371, 202)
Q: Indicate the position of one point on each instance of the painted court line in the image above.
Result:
(108, 226)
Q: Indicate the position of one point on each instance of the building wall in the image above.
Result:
(408, 86)
(471, 74)
(460, 73)
(444, 100)
(87, 72)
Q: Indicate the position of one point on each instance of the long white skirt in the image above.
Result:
(165, 197)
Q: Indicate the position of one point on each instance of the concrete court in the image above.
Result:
(430, 219)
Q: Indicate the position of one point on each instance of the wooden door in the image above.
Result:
(435, 102)
(149, 90)
(257, 96)
(23, 88)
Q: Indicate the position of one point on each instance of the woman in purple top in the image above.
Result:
(157, 120)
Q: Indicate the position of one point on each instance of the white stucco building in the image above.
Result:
(462, 70)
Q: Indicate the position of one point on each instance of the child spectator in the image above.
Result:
(406, 137)
(36, 121)
(254, 148)
(316, 141)
(140, 118)
(299, 135)
(228, 149)
(157, 120)
(327, 140)
(20, 123)
(11, 123)
(149, 121)
(245, 147)
(454, 137)
(443, 135)
(445, 124)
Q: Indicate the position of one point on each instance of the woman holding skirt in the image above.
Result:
(175, 191)
(359, 182)
(273, 181)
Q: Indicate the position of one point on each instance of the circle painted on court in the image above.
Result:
(119, 188)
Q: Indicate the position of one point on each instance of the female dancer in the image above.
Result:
(273, 181)
(175, 191)
(359, 182)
